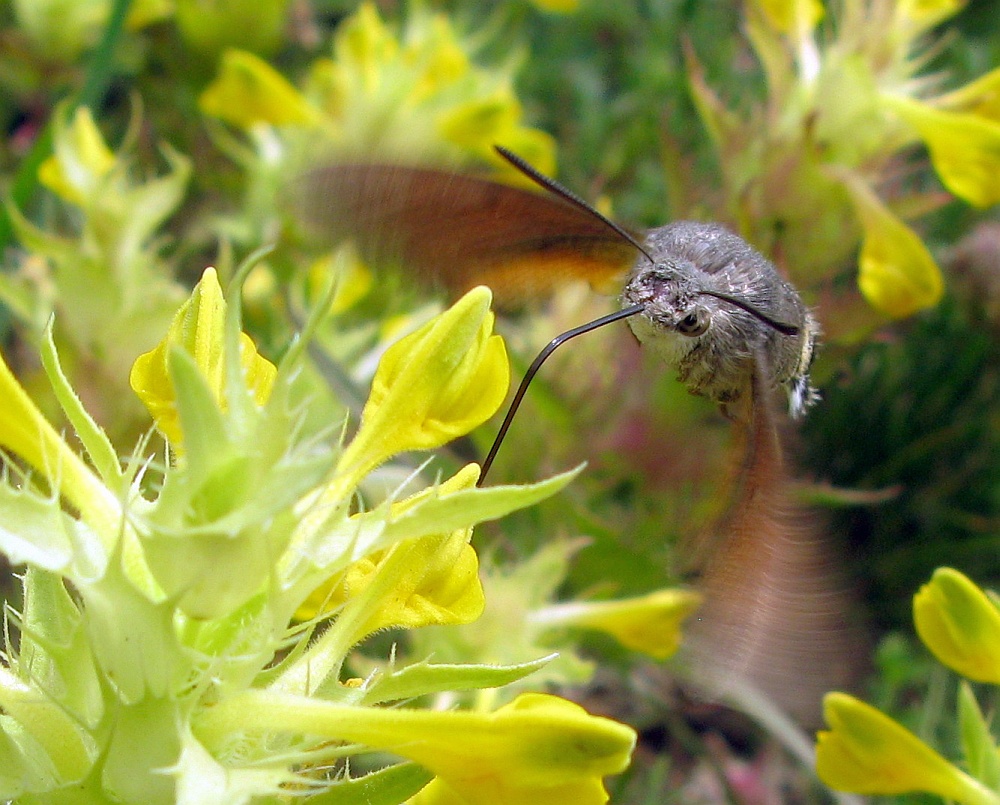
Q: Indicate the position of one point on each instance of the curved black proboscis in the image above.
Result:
(536, 364)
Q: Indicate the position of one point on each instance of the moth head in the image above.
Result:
(671, 297)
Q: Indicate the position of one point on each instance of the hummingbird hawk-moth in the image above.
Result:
(700, 297)
(711, 306)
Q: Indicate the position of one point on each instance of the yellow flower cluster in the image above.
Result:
(415, 95)
(804, 175)
(218, 558)
(866, 752)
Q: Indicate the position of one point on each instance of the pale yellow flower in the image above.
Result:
(432, 386)
(249, 91)
(198, 328)
(897, 273)
(432, 580)
(537, 749)
(866, 752)
(960, 625)
(965, 148)
(81, 158)
(648, 623)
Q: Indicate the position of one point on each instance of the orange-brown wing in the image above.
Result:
(460, 230)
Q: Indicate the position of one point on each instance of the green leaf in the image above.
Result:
(980, 750)
(467, 507)
(359, 536)
(388, 786)
(99, 448)
(424, 678)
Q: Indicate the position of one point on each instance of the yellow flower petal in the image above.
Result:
(793, 17)
(438, 56)
(432, 386)
(960, 625)
(434, 580)
(897, 274)
(914, 16)
(198, 327)
(537, 749)
(649, 623)
(866, 752)
(248, 91)
(964, 148)
(26, 433)
(364, 43)
(354, 279)
(980, 97)
(80, 160)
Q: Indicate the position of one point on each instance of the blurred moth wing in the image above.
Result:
(460, 230)
(714, 308)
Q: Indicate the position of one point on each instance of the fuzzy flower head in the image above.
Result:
(155, 661)
(803, 175)
(415, 94)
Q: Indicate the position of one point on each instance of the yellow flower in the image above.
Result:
(914, 16)
(26, 433)
(197, 328)
(435, 53)
(432, 386)
(81, 158)
(537, 749)
(354, 279)
(248, 91)
(866, 752)
(432, 580)
(980, 97)
(792, 17)
(649, 623)
(897, 274)
(964, 148)
(364, 43)
(960, 625)
(416, 95)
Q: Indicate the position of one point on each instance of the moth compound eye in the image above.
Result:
(694, 323)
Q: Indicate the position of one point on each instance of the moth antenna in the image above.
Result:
(568, 195)
(536, 364)
(780, 326)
